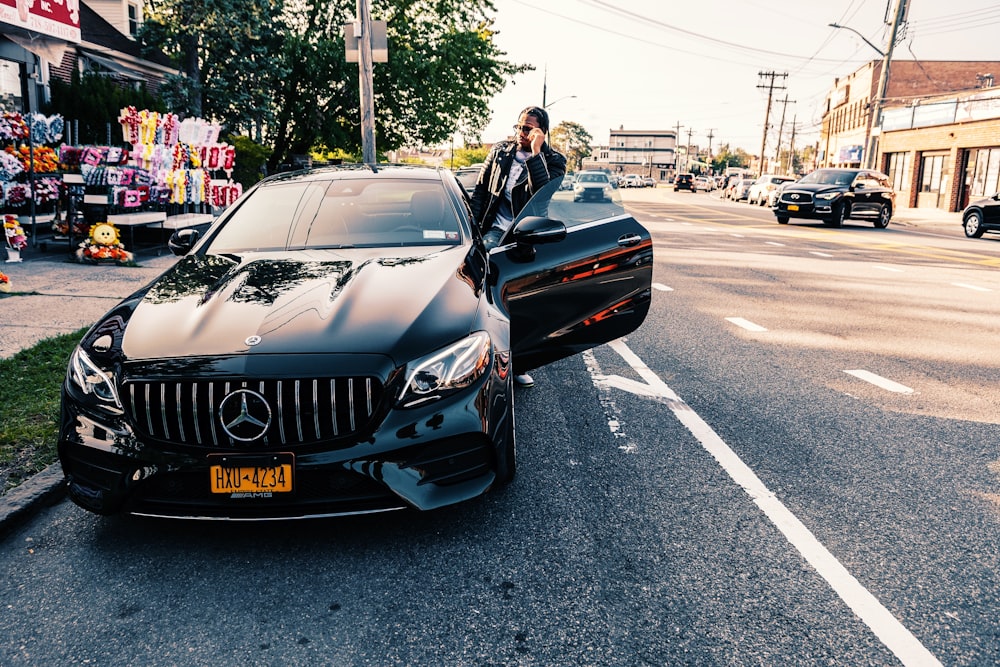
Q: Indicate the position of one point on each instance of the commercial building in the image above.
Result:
(642, 152)
(939, 134)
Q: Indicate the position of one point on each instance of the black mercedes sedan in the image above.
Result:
(340, 342)
(836, 195)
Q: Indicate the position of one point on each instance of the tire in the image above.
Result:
(839, 215)
(782, 219)
(973, 225)
(884, 215)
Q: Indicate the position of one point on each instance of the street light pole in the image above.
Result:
(875, 122)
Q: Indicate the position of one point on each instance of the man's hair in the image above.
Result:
(541, 116)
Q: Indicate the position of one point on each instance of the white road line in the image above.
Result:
(739, 236)
(883, 624)
(973, 287)
(780, 245)
(880, 381)
(663, 288)
(889, 268)
(820, 254)
(746, 324)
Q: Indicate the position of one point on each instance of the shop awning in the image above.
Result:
(114, 66)
(46, 48)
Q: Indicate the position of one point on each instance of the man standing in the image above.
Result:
(513, 172)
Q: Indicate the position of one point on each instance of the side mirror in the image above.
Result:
(182, 241)
(533, 230)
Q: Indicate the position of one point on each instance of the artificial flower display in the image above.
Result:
(103, 245)
(14, 233)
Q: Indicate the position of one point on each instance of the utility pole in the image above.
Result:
(677, 135)
(875, 122)
(791, 150)
(767, 114)
(687, 151)
(365, 80)
(781, 129)
(710, 135)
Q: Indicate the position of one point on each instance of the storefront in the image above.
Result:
(943, 153)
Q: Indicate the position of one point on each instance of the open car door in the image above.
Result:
(571, 276)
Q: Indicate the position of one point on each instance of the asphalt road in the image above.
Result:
(795, 461)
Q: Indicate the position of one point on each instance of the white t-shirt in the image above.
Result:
(505, 213)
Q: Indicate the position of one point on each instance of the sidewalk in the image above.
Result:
(52, 295)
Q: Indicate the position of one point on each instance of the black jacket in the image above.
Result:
(539, 169)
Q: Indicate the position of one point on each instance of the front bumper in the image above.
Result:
(424, 458)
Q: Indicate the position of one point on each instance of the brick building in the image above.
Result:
(939, 138)
(642, 152)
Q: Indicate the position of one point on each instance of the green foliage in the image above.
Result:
(92, 103)
(463, 157)
(572, 140)
(250, 160)
(29, 407)
(280, 76)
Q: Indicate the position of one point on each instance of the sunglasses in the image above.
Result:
(526, 129)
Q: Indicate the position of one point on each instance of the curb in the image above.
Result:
(23, 501)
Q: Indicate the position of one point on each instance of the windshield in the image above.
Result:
(339, 213)
(829, 177)
(576, 206)
(596, 177)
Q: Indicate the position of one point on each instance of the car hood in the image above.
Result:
(401, 304)
(814, 188)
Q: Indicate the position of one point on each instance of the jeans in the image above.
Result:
(492, 237)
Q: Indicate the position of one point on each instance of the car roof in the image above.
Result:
(362, 171)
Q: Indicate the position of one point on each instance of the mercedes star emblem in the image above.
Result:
(252, 340)
(245, 415)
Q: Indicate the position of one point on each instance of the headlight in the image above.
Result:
(447, 370)
(827, 196)
(92, 381)
(578, 187)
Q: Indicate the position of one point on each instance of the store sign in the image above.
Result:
(850, 153)
(980, 106)
(53, 18)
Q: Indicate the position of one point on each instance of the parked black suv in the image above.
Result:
(684, 182)
(834, 195)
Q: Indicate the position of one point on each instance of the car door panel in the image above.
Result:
(571, 295)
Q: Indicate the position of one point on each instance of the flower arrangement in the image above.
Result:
(4, 282)
(103, 245)
(14, 233)
(45, 158)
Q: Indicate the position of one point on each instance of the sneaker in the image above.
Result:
(524, 380)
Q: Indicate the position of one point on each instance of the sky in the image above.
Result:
(654, 64)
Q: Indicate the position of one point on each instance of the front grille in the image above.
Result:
(303, 411)
(802, 198)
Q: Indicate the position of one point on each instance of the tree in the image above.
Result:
(92, 103)
(572, 140)
(276, 70)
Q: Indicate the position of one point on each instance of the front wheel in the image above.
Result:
(839, 215)
(884, 214)
(782, 219)
(973, 225)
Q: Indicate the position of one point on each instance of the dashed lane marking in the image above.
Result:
(746, 324)
(880, 381)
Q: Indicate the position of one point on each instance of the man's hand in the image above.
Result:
(537, 138)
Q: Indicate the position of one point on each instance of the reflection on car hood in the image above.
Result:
(401, 304)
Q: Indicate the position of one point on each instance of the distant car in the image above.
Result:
(567, 182)
(772, 196)
(740, 189)
(684, 182)
(592, 186)
(834, 195)
(763, 187)
(468, 176)
(982, 215)
(702, 183)
(631, 181)
(648, 182)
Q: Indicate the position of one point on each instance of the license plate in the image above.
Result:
(793, 207)
(257, 475)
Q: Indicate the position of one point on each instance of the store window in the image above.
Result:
(934, 180)
(899, 171)
(986, 177)
(10, 85)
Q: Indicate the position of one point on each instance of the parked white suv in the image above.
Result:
(762, 188)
